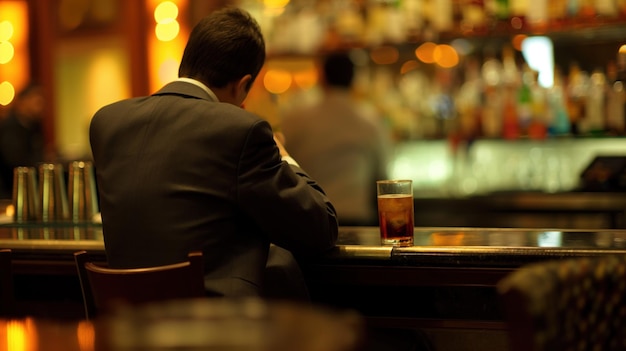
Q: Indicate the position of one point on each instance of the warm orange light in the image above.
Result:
(305, 79)
(425, 52)
(6, 30)
(275, 3)
(384, 55)
(167, 42)
(165, 12)
(7, 52)
(168, 71)
(517, 40)
(408, 66)
(86, 336)
(447, 239)
(14, 53)
(445, 56)
(7, 93)
(167, 31)
(277, 81)
(167, 26)
(21, 335)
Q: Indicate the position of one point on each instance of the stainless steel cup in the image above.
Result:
(82, 191)
(53, 193)
(25, 194)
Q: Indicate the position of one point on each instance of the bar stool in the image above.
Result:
(105, 289)
(571, 304)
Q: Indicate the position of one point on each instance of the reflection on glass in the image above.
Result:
(550, 239)
(21, 335)
(86, 336)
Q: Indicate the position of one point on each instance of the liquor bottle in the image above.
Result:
(576, 94)
(524, 99)
(474, 15)
(559, 119)
(595, 104)
(491, 77)
(537, 14)
(606, 8)
(510, 120)
(573, 8)
(538, 127)
(518, 10)
(557, 14)
(502, 9)
(442, 15)
(586, 11)
(615, 99)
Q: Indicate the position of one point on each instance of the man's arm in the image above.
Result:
(285, 202)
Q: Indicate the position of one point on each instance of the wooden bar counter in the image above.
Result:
(444, 285)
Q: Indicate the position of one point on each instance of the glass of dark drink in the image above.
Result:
(395, 212)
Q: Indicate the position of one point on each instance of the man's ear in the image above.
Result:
(241, 88)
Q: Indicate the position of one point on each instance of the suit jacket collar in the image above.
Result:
(185, 89)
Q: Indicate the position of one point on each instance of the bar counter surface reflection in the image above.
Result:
(448, 246)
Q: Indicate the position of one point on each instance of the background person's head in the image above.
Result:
(29, 105)
(223, 48)
(338, 70)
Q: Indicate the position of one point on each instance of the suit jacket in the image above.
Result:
(178, 171)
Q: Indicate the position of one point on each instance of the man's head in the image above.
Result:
(338, 70)
(225, 51)
(29, 105)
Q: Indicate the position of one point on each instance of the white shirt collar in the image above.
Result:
(199, 84)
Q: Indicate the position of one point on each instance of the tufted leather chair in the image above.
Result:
(571, 304)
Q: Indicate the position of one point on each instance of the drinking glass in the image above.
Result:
(395, 212)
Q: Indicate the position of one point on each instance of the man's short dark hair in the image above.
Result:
(223, 47)
(338, 70)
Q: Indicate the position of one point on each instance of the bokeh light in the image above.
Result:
(168, 71)
(425, 52)
(275, 3)
(409, 66)
(7, 52)
(7, 93)
(6, 30)
(517, 40)
(167, 27)
(86, 335)
(277, 81)
(305, 79)
(167, 31)
(165, 12)
(445, 56)
(14, 46)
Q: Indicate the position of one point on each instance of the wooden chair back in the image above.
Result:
(570, 304)
(7, 294)
(106, 288)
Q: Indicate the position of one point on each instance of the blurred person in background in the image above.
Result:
(342, 144)
(21, 136)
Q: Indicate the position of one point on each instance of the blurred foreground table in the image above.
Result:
(194, 325)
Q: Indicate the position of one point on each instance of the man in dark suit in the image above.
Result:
(188, 169)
